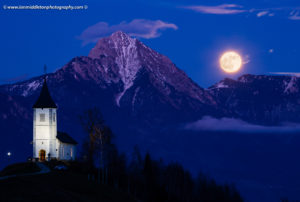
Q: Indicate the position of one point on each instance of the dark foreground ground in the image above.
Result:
(58, 186)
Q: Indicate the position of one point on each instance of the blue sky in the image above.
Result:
(193, 34)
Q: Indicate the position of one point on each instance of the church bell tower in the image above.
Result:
(44, 126)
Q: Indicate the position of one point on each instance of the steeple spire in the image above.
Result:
(45, 72)
(45, 100)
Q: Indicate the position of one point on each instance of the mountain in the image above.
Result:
(260, 99)
(129, 72)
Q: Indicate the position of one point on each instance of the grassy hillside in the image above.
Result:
(58, 186)
(19, 169)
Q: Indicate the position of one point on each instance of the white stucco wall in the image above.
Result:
(66, 151)
(44, 132)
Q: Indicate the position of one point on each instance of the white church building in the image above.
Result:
(48, 143)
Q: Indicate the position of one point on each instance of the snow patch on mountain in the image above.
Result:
(32, 86)
(127, 61)
(134, 96)
(291, 86)
(243, 79)
(78, 70)
(222, 85)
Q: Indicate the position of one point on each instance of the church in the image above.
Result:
(48, 143)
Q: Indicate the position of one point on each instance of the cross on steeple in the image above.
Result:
(45, 69)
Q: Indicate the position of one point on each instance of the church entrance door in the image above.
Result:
(42, 155)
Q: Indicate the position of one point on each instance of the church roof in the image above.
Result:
(45, 100)
(65, 138)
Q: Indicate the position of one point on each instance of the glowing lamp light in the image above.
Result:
(8, 154)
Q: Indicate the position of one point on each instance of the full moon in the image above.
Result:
(231, 62)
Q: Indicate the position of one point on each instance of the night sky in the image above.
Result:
(193, 34)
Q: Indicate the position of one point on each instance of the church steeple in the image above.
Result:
(45, 100)
(47, 143)
(44, 125)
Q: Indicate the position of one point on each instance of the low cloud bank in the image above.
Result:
(208, 123)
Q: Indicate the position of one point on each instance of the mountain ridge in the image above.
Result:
(128, 70)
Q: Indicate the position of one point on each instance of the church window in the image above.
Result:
(42, 117)
(50, 115)
(53, 117)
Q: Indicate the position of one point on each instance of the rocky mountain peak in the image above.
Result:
(114, 45)
(123, 50)
(130, 55)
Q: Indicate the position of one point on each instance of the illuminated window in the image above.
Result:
(42, 117)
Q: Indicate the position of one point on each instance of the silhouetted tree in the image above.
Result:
(116, 168)
(179, 183)
(135, 174)
(90, 120)
(149, 178)
(99, 138)
(144, 178)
